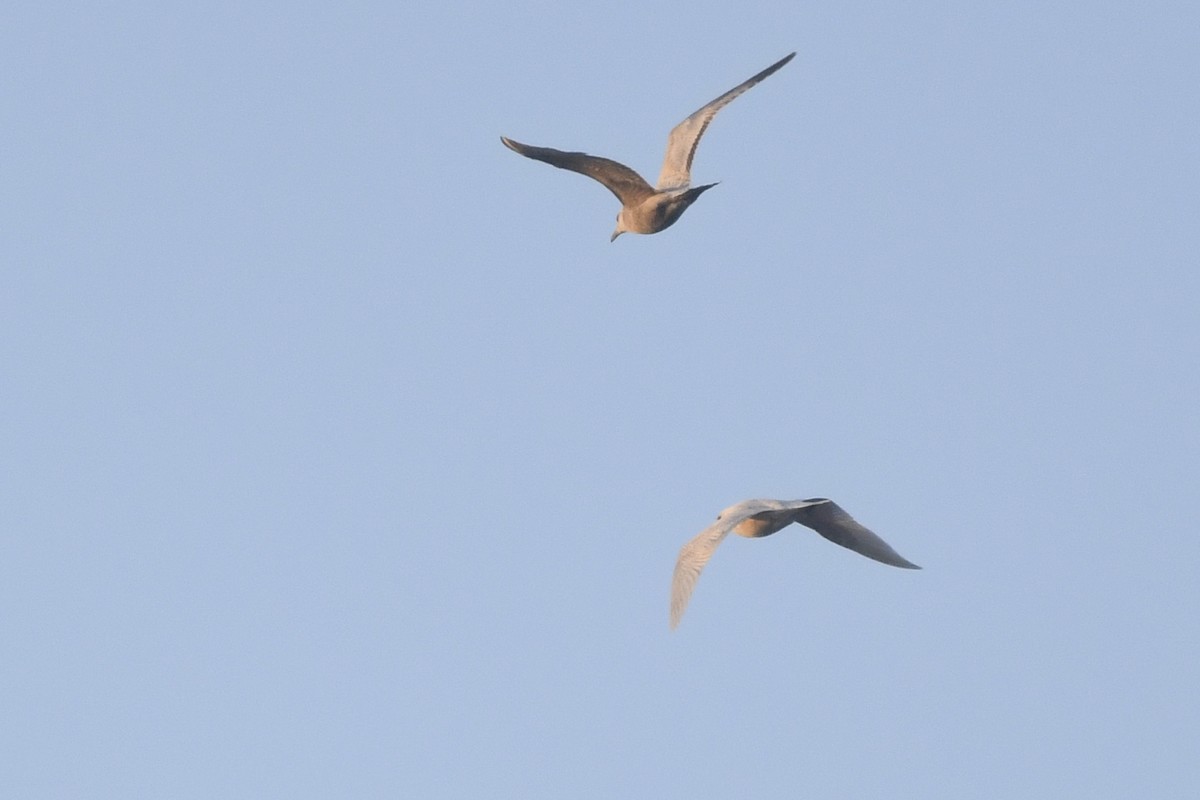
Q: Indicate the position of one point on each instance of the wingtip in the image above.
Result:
(781, 62)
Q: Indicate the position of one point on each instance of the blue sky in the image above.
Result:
(343, 455)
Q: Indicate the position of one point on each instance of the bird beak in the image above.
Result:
(615, 235)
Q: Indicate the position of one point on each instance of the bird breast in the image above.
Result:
(757, 527)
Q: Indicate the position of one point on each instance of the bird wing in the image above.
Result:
(696, 553)
(681, 144)
(831, 521)
(629, 187)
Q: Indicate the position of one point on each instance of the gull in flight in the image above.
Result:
(757, 518)
(647, 209)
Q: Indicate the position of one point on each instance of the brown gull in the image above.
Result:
(647, 209)
(757, 518)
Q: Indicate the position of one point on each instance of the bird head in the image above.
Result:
(620, 225)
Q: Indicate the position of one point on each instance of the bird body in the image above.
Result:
(754, 519)
(646, 208)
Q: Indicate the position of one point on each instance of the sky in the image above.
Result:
(344, 456)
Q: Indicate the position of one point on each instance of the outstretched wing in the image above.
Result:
(629, 187)
(831, 521)
(681, 144)
(696, 553)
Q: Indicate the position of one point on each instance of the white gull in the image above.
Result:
(756, 518)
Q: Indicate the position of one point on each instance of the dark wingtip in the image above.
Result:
(899, 561)
(771, 70)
